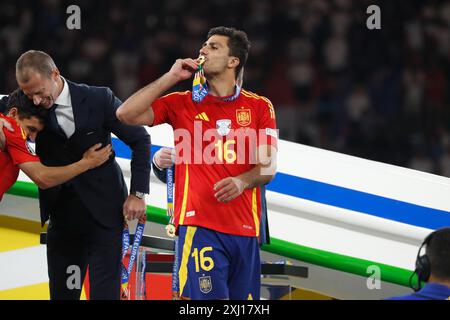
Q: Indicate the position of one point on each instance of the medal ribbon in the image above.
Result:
(171, 233)
(200, 87)
(125, 295)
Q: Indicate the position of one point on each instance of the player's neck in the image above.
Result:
(439, 281)
(60, 87)
(221, 86)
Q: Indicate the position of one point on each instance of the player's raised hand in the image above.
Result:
(183, 69)
(228, 189)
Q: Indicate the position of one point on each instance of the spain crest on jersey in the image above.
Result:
(30, 148)
(243, 117)
(205, 284)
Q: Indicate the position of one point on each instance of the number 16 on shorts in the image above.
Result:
(202, 261)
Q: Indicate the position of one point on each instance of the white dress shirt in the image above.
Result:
(64, 111)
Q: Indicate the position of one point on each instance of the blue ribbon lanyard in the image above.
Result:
(171, 232)
(170, 228)
(134, 250)
(200, 87)
(170, 191)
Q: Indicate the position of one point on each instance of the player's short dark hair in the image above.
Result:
(34, 60)
(237, 42)
(25, 107)
(438, 252)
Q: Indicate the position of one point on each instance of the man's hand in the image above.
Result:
(164, 158)
(95, 156)
(183, 69)
(134, 208)
(7, 125)
(228, 189)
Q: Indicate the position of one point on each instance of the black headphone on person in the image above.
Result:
(423, 266)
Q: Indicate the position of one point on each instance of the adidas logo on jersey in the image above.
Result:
(202, 116)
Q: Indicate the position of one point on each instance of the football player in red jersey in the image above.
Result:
(226, 144)
(26, 120)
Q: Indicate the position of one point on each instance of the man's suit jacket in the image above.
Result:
(103, 189)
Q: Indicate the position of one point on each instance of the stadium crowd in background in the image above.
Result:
(378, 94)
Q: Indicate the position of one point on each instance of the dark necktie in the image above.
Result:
(53, 122)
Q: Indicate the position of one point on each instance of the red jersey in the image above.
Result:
(17, 151)
(216, 139)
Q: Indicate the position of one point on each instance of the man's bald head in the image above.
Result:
(39, 78)
(34, 61)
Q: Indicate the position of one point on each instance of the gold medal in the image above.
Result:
(170, 229)
(201, 60)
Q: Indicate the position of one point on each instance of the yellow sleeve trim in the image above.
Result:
(177, 93)
(255, 96)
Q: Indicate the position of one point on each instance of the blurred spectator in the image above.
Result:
(432, 267)
(444, 163)
(357, 104)
(335, 84)
(420, 161)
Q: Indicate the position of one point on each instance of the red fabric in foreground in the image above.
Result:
(158, 286)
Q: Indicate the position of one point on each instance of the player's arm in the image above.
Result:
(7, 125)
(136, 109)
(3, 122)
(262, 173)
(47, 177)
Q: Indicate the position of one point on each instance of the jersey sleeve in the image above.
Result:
(267, 127)
(18, 147)
(163, 108)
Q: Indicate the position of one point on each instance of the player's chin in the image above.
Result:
(209, 72)
(47, 104)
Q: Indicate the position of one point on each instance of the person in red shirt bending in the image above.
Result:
(26, 121)
(225, 143)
